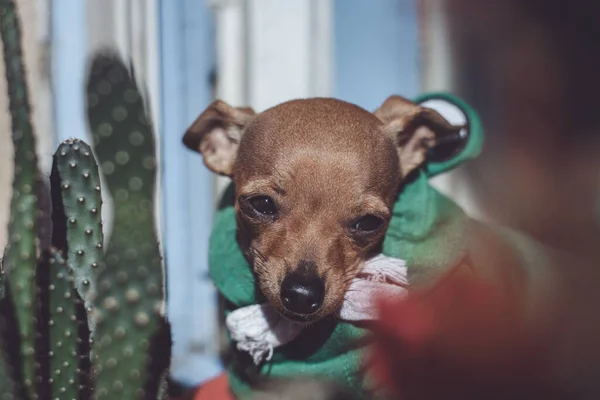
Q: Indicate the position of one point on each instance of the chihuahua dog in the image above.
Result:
(315, 181)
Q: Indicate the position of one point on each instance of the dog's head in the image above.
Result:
(315, 183)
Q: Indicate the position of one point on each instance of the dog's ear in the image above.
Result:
(216, 134)
(414, 130)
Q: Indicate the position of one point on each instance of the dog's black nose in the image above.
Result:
(303, 290)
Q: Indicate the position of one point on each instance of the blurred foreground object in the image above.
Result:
(462, 339)
(469, 338)
(530, 67)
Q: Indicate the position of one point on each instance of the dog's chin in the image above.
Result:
(302, 319)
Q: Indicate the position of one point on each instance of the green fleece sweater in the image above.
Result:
(427, 230)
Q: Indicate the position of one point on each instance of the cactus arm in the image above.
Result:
(60, 316)
(63, 308)
(130, 282)
(20, 257)
(76, 215)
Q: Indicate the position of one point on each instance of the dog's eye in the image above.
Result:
(367, 224)
(263, 205)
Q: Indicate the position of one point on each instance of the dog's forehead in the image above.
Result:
(317, 119)
(317, 142)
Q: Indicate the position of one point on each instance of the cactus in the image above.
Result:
(77, 230)
(42, 313)
(20, 257)
(67, 378)
(61, 310)
(130, 318)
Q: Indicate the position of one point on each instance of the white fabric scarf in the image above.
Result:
(259, 329)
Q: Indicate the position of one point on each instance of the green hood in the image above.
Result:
(427, 230)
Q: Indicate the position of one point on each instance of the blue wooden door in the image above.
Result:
(376, 50)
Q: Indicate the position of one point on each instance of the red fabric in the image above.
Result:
(463, 339)
(214, 389)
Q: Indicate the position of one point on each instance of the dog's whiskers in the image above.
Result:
(258, 254)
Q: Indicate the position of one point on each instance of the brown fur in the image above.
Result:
(325, 163)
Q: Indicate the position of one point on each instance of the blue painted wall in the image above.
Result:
(376, 50)
(187, 57)
(69, 52)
